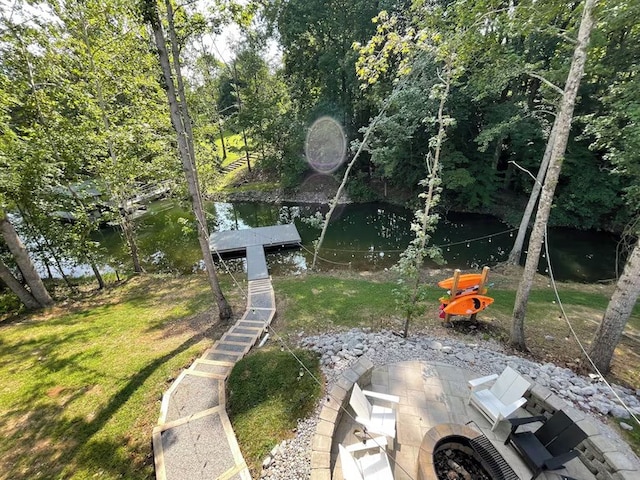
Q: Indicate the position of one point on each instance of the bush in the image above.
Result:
(359, 189)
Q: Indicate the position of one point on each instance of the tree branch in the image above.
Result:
(553, 86)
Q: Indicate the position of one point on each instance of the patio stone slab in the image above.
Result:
(432, 394)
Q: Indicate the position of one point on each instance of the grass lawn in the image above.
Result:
(82, 381)
(234, 146)
(316, 303)
(268, 393)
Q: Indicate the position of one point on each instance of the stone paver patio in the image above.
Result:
(432, 394)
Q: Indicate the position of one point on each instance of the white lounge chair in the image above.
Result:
(375, 418)
(373, 466)
(501, 400)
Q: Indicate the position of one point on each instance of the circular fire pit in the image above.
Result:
(445, 454)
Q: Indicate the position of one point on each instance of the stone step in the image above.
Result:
(185, 397)
(201, 446)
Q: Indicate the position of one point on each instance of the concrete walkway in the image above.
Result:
(194, 438)
(432, 394)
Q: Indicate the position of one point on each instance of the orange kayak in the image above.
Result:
(468, 305)
(464, 281)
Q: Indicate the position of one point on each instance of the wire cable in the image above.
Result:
(573, 332)
(325, 259)
(564, 314)
(344, 410)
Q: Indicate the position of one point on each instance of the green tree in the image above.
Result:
(46, 98)
(127, 122)
(559, 140)
(182, 124)
(316, 37)
(615, 131)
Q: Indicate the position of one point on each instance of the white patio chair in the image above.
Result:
(501, 400)
(373, 466)
(375, 418)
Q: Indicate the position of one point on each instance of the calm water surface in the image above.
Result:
(360, 237)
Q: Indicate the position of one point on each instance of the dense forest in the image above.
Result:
(93, 92)
(82, 98)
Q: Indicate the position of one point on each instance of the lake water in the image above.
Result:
(360, 237)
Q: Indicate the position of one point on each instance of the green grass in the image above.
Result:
(632, 436)
(81, 386)
(268, 393)
(82, 382)
(234, 146)
(318, 303)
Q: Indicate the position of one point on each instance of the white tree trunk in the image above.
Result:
(188, 163)
(516, 251)
(16, 287)
(617, 313)
(21, 256)
(560, 139)
(124, 218)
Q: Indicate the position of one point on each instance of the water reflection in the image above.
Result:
(362, 237)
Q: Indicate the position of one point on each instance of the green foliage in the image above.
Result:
(359, 189)
(85, 110)
(411, 302)
(583, 203)
(286, 134)
(9, 302)
(269, 392)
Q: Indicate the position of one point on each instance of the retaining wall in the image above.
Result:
(598, 453)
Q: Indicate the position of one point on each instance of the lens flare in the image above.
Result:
(326, 145)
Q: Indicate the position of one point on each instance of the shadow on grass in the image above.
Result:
(50, 442)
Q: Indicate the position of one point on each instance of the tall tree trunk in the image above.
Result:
(220, 129)
(21, 256)
(334, 203)
(516, 251)
(429, 199)
(617, 313)
(559, 140)
(152, 16)
(246, 148)
(96, 272)
(50, 249)
(129, 233)
(16, 287)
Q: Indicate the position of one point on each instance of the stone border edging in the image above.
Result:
(331, 414)
(597, 452)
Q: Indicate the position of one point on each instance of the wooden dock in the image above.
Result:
(237, 241)
(252, 243)
(194, 437)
